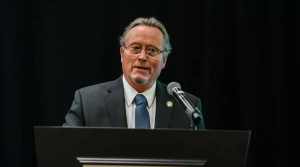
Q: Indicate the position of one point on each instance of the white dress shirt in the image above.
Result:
(129, 94)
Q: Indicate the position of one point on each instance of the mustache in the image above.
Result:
(142, 67)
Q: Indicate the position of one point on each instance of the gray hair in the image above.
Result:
(148, 22)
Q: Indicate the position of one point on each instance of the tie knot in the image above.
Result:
(140, 99)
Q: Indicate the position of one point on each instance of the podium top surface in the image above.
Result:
(62, 146)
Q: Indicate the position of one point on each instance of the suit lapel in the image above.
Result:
(115, 104)
(163, 112)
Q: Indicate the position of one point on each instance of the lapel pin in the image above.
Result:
(169, 104)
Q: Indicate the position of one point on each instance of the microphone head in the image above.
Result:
(171, 86)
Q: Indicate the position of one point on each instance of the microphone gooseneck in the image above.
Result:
(193, 112)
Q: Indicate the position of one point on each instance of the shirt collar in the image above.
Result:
(130, 93)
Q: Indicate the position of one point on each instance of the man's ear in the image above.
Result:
(164, 62)
(121, 53)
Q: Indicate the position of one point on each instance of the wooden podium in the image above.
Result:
(112, 147)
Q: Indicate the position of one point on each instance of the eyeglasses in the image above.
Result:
(137, 49)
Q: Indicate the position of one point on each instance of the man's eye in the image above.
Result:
(151, 50)
(135, 47)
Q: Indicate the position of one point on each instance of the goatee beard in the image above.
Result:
(139, 80)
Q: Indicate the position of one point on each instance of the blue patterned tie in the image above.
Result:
(142, 120)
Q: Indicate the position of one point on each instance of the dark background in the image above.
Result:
(231, 54)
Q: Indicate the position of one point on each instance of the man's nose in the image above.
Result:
(143, 55)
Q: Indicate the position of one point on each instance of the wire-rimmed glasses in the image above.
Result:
(136, 49)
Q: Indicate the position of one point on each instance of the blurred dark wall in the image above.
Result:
(231, 54)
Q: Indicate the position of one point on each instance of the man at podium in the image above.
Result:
(136, 99)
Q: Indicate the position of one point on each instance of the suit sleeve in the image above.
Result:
(75, 116)
(201, 125)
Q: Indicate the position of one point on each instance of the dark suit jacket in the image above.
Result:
(103, 105)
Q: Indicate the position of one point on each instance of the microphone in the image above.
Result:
(193, 112)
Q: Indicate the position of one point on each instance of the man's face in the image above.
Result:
(143, 67)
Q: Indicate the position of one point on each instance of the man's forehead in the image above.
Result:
(145, 31)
